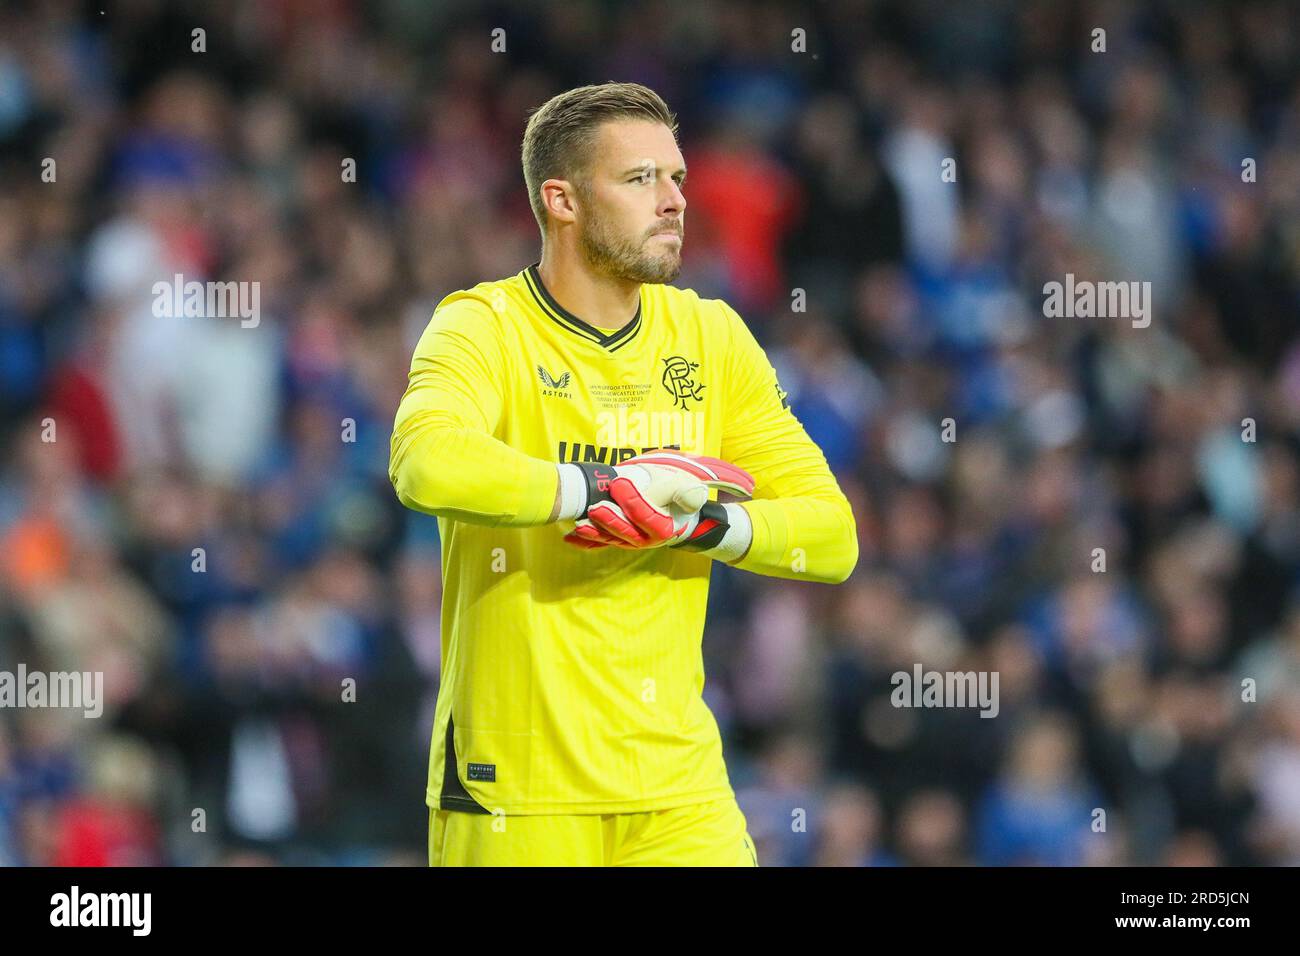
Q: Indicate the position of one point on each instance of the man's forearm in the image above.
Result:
(461, 473)
(804, 539)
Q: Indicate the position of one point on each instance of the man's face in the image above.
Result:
(632, 212)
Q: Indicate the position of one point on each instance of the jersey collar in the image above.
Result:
(562, 316)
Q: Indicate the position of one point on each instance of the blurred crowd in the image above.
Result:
(1106, 516)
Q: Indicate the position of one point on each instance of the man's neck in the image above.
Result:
(602, 301)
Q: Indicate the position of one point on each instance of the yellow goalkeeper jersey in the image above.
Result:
(572, 679)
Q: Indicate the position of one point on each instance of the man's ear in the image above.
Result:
(559, 196)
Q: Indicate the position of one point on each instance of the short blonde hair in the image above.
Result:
(560, 134)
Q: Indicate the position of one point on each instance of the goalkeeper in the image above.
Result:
(591, 438)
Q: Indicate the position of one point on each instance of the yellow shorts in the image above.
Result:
(704, 834)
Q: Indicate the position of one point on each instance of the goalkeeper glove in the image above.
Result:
(655, 499)
(708, 529)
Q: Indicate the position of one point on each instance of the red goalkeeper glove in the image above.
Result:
(658, 499)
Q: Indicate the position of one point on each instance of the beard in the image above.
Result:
(621, 258)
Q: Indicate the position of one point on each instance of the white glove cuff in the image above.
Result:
(739, 536)
(573, 493)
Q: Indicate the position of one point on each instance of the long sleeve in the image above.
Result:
(803, 525)
(444, 459)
